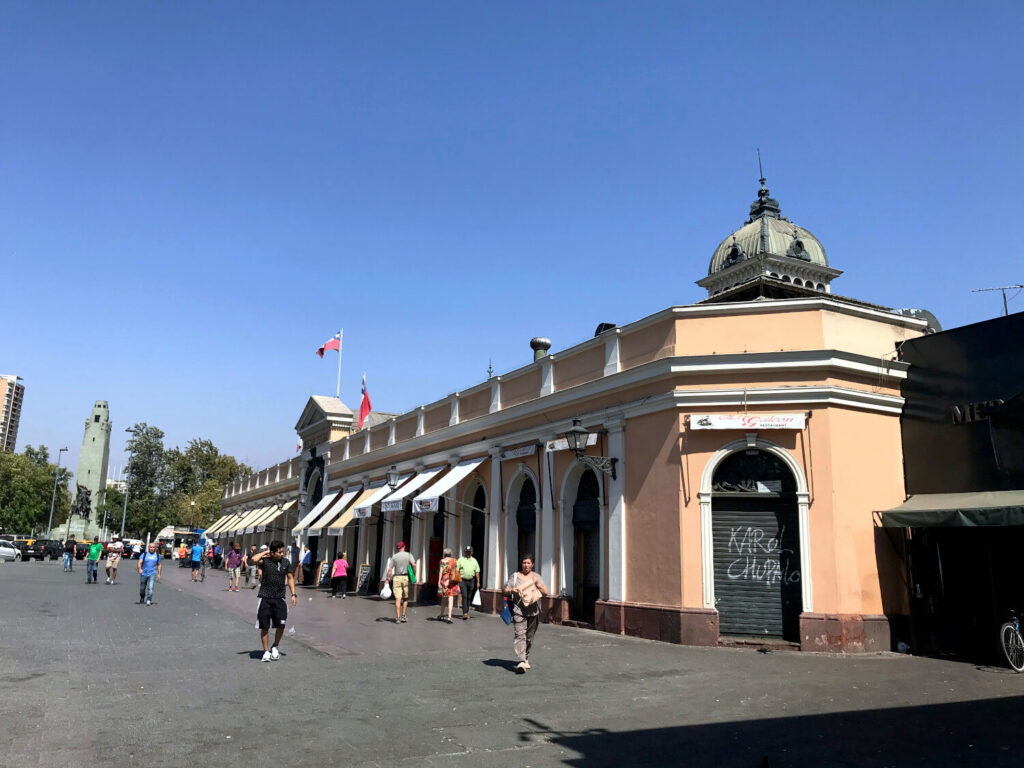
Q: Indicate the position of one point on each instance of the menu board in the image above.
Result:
(363, 582)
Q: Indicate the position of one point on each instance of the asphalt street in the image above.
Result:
(88, 676)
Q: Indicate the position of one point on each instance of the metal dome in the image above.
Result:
(767, 232)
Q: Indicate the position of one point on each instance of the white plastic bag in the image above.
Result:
(385, 594)
(476, 598)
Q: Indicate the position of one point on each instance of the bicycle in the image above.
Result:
(1012, 642)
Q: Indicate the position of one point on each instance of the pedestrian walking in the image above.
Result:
(217, 555)
(469, 569)
(339, 575)
(448, 580)
(69, 554)
(250, 568)
(234, 565)
(149, 573)
(276, 572)
(136, 550)
(307, 565)
(399, 569)
(525, 589)
(92, 560)
(114, 550)
(197, 559)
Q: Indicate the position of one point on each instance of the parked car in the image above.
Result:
(8, 551)
(43, 548)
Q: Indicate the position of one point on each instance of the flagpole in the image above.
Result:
(338, 392)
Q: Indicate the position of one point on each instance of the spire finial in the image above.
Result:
(760, 170)
(490, 369)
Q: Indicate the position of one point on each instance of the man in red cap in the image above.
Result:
(401, 561)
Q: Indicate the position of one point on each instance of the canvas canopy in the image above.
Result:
(314, 513)
(428, 500)
(396, 500)
(316, 528)
(957, 510)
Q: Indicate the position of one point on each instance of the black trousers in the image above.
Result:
(336, 581)
(468, 588)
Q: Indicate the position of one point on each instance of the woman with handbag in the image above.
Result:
(524, 589)
(448, 580)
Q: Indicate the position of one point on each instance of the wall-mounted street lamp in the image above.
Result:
(392, 477)
(577, 438)
(53, 498)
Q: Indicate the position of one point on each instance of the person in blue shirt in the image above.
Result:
(149, 572)
(197, 559)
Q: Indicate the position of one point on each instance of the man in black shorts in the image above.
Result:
(276, 572)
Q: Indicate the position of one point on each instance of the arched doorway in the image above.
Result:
(586, 524)
(478, 526)
(756, 546)
(526, 521)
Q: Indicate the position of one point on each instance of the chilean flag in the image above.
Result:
(334, 343)
(364, 406)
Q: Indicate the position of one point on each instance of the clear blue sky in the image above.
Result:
(195, 195)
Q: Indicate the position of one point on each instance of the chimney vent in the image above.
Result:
(540, 347)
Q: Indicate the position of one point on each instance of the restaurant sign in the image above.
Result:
(748, 421)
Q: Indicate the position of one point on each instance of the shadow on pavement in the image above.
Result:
(986, 732)
(508, 664)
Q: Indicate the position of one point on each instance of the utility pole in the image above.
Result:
(1004, 289)
(53, 498)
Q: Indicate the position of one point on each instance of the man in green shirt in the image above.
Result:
(92, 560)
(469, 569)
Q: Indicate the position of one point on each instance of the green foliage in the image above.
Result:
(26, 488)
(164, 483)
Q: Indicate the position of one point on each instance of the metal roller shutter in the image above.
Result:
(756, 548)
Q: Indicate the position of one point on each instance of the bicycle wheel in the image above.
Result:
(1013, 645)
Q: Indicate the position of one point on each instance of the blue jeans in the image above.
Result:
(146, 587)
(90, 570)
(68, 561)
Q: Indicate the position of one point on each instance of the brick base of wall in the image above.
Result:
(844, 632)
(685, 626)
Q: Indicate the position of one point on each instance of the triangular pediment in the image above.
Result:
(320, 409)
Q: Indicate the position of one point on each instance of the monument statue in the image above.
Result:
(83, 505)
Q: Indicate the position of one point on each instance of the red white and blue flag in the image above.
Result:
(364, 406)
(334, 343)
(298, 446)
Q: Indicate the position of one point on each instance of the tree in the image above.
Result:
(164, 483)
(26, 487)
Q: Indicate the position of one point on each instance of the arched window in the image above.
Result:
(526, 518)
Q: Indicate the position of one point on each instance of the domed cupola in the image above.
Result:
(768, 257)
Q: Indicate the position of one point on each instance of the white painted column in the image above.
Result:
(415, 542)
(493, 564)
(495, 394)
(547, 375)
(546, 556)
(617, 512)
(453, 415)
(364, 532)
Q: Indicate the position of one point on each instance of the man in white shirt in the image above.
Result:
(114, 550)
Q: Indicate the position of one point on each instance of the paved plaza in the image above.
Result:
(88, 676)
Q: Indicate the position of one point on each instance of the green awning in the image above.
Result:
(957, 510)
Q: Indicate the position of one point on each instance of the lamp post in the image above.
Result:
(392, 477)
(577, 437)
(53, 498)
(124, 511)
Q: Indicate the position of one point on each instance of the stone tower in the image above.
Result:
(92, 461)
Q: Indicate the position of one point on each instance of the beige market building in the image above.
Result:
(735, 452)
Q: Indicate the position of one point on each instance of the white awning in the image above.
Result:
(316, 528)
(272, 517)
(394, 502)
(266, 514)
(427, 501)
(314, 513)
(365, 507)
(238, 527)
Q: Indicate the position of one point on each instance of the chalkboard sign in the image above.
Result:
(324, 579)
(363, 582)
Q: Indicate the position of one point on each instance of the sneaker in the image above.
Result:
(274, 653)
(108, 579)
(267, 656)
(149, 602)
(521, 668)
(527, 664)
(465, 617)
